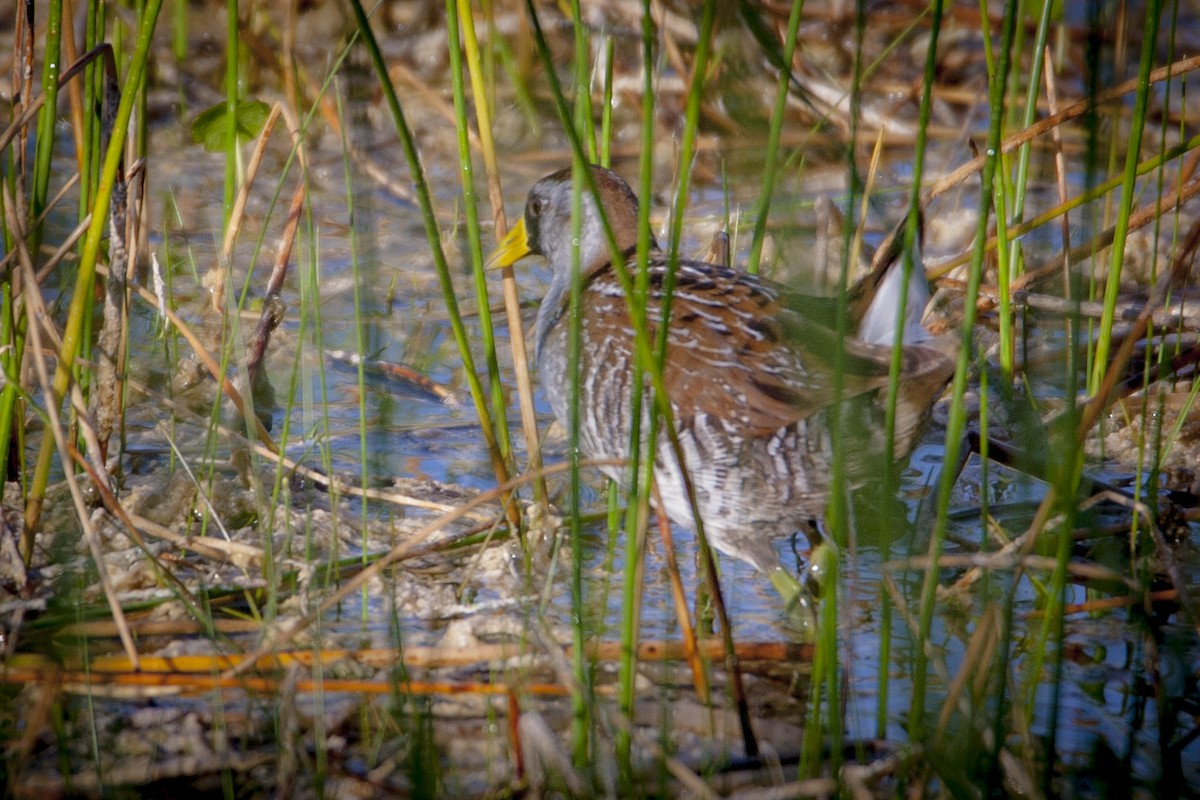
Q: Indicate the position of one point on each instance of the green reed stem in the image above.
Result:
(93, 92)
(42, 168)
(770, 160)
(1053, 623)
(1004, 275)
(81, 298)
(433, 234)
(1137, 126)
(10, 337)
(837, 510)
(912, 238)
(641, 344)
(1111, 125)
(1029, 117)
(479, 70)
(1013, 263)
(179, 30)
(639, 484)
(582, 698)
(687, 151)
(823, 683)
(956, 424)
(231, 106)
(641, 341)
(11, 326)
(487, 69)
(1003, 257)
(474, 236)
(584, 114)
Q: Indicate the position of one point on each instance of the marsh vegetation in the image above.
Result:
(286, 513)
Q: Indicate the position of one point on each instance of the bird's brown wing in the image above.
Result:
(737, 354)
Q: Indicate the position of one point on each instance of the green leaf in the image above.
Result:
(211, 127)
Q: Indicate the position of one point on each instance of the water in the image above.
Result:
(409, 433)
(363, 281)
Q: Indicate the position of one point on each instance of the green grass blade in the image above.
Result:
(1132, 158)
(433, 234)
(81, 299)
(956, 424)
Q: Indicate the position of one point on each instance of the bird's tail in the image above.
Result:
(893, 260)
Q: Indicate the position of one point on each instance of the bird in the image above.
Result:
(749, 372)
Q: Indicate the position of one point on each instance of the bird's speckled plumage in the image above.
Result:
(749, 377)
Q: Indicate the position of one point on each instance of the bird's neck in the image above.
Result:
(555, 304)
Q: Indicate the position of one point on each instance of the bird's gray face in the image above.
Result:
(537, 213)
(546, 230)
(548, 226)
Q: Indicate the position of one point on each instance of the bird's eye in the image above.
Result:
(536, 205)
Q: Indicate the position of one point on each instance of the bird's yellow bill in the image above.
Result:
(511, 249)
